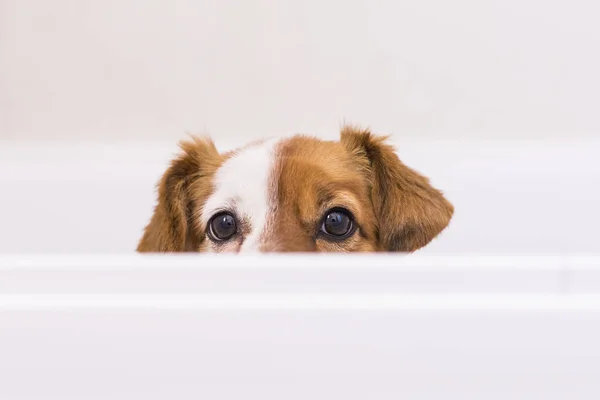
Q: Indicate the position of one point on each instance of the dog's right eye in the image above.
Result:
(222, 227)
(338, 224)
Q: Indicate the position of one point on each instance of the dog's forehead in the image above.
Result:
(246, 169)
(252, 174)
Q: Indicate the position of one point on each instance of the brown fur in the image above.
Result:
(410, 212)
(395, 207)
(182, 190)
(312, 177)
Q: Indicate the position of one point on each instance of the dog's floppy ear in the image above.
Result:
(183, 187)
(409, 211)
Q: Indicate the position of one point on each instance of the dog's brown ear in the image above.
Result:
(183, 187)
(409, 211)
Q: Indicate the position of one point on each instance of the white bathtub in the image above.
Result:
(291, 327)
(504, 305)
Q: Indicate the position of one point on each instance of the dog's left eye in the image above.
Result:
(222, 227)
(338, 224)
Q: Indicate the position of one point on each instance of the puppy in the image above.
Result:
(297, 194)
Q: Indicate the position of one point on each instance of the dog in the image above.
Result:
(294, 194)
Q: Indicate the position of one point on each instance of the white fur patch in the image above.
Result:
(242, 186)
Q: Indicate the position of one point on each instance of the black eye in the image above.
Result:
(338, 224)
(222, 226)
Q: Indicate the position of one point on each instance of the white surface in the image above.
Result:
(142, 327)
(281, 274)
(511, 197)
(243, 69)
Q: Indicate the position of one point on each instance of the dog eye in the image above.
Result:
(222, 227)
(338, 224)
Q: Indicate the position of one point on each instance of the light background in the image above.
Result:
(496, 100)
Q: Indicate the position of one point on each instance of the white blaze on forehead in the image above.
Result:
(242, 186)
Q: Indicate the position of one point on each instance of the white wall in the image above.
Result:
(140, 69)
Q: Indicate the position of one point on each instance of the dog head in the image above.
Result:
(297, 194)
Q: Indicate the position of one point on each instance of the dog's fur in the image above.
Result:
(280, 189)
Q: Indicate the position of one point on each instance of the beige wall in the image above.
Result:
(140, 69)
